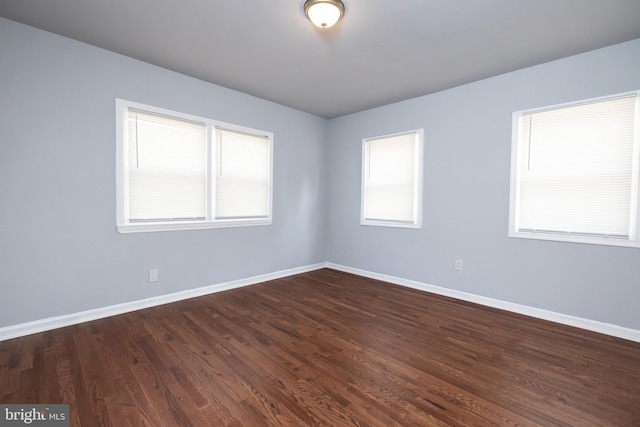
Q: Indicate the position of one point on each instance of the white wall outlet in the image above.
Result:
(153, 275)
(457, 265)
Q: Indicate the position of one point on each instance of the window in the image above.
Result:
(574, 172)
(178, 171)
(392, 180)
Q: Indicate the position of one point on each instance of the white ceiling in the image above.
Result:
(381, 52)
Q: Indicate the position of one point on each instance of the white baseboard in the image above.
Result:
(578, 322)
(28, 328)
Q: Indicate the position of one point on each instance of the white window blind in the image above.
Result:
(242, 175)
(176, 171)
(391, 179)
(577, 170)
(167, 168)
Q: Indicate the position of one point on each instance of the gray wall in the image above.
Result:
(466, 195)
(60, 252)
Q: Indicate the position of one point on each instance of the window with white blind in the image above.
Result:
(574, 172)
(178, 171)
(392, 180)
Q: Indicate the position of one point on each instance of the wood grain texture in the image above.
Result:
(326, 348)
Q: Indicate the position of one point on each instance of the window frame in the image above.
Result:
(516, 153)
(418, 180)
(122, 172)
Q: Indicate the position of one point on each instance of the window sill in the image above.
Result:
(394, 224)
(576, 239)
(195, 225)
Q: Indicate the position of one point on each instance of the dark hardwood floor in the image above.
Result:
(325, 348)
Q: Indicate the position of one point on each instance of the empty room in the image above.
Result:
(320, 213)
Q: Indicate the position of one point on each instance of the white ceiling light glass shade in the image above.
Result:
(324, 13)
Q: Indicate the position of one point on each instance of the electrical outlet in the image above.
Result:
(457, 265)
(153, 275)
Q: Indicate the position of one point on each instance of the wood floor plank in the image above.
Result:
(326, 348)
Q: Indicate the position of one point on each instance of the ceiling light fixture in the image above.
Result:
(324, 13)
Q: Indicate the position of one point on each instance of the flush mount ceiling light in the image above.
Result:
(324, 13)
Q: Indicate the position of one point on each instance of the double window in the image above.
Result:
(392, 180)
(574, 172)
(178, 171)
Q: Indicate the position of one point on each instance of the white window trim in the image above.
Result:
(122, 190)
(634, 238)
(418, 177)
